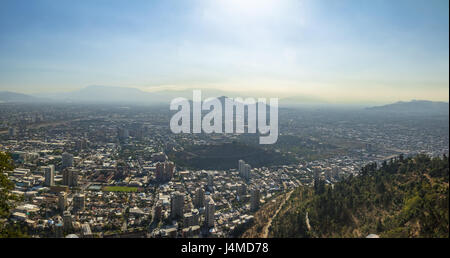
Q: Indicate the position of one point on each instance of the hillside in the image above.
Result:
(403, 198)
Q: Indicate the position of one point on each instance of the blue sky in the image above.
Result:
(336, 50)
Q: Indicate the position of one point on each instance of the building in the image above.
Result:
(49, 174)
(70, 177)
(157, 211)
(177, 205)
(62, 201)
(210, 182)
(67, 160)
(191, 218)
(209, 212)
(244, 170)
(199, 198)
(79, 202)
(164, 171)
(241, 189)
(86, 231)
(67, 220)
(59, 232)
(12, 132)
(254, 199)
(241, 164)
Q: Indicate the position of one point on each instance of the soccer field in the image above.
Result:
(119, 189)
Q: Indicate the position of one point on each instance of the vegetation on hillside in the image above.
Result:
(7, 199)
(406, 197)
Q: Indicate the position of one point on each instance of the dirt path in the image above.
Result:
(269, 223)
(307, 222)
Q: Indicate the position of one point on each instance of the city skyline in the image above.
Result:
(336, 51)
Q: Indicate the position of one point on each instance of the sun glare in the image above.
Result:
(249, 7)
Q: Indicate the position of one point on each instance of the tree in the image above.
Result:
(6, 198)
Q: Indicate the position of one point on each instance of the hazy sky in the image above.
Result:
(336, 50)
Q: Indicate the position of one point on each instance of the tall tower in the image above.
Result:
(49, 173)
(67, 160)
(70, 177)
(210, 209)
(199, 198)
(247, 169)
(79, 202)
(177, 205)
(62, 201)
(210, 182)
(254, 199)
(241, 164)
(67, 219)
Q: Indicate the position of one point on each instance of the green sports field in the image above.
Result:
(119, 189)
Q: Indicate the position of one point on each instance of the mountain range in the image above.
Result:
(414, 107)
(125, 95)
(10, 97)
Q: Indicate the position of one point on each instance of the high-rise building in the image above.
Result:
(244, 170)
(67, 160)
(177, 205)
(247, 169)
(164, 171)
(199, 198)
(62, 201)
(86, 230)
(70, 177)
(157, 211)
(79, 202)
(254, 199)
(159, 173)
(67, 219)
(191, 218)
(59, 231)
(210, 209)
(169, 168)
(241, 164)
(241, 189)
(12, 131)
(210, 182)
(49, 173)
(81, 144)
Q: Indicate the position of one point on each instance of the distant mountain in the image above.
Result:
(302, 101)
(12, 97)
(424, 107)
(111, 94)
(107, 94)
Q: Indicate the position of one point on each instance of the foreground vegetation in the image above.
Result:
(406, 197)
(7, 200)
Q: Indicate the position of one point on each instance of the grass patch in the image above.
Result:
(119, 189)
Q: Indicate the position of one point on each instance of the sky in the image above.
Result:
(340, 51)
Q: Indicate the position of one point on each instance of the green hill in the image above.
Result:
(226, 156)
(402, 198)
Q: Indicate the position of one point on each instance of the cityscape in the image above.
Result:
(224, 127)
(114, 171)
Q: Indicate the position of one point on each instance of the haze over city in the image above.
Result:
(330, 51)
